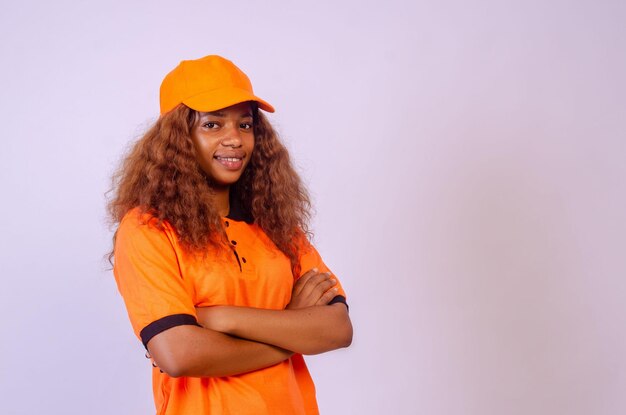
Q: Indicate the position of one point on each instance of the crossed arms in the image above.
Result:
(234, 340)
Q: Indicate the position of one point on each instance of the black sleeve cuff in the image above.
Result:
(165, 323)
(339, 299)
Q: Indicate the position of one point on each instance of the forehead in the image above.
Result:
(243, 109)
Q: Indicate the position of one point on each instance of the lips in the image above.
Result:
(231, 161)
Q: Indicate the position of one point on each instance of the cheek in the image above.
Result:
(251, 144)
(203, 156)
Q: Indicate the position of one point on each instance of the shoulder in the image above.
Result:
(138, 217)
(139, 226)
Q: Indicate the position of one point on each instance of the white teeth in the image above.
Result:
(231, 159)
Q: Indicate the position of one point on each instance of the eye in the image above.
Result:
(245, 125)
(210, 125)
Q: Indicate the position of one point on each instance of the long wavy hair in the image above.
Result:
(160, 176)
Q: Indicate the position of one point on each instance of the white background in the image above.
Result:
(467, 161)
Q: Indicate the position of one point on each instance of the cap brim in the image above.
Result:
(223, 98)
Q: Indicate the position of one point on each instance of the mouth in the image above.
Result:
(230, 162)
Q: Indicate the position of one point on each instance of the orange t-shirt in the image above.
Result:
(161, 285)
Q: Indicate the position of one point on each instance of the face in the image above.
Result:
(224, 141)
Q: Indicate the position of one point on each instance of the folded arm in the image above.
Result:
(199, 352)
(309, 330)
(307, 326)
(262, 337)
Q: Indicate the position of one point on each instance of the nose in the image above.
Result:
(232, 136)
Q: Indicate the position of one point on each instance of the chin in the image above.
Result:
(221, 182)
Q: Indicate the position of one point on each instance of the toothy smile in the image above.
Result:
(230, 159)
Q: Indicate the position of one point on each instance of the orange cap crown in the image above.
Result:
(207, 84)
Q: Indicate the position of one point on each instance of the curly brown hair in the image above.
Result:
(160, 176)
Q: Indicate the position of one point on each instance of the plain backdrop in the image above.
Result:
(467, 161)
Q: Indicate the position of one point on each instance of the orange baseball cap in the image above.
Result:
(207, 84)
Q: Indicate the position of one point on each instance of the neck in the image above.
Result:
(221, 200)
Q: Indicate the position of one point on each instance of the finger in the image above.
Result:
(311, 286)
(327, 296)
(310, 280)
(323, 286)
(300, 282)
(321, 289)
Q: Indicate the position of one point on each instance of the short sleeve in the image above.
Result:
(310, 258)
(147, 274)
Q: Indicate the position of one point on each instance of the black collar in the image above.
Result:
(237, 211)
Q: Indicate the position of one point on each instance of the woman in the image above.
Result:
(211, 255)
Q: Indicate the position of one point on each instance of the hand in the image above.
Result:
(312, 288)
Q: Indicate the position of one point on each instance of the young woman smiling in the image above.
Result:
(211, 253)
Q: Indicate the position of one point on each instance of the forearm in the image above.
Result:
(199, 352)
(310, 330)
